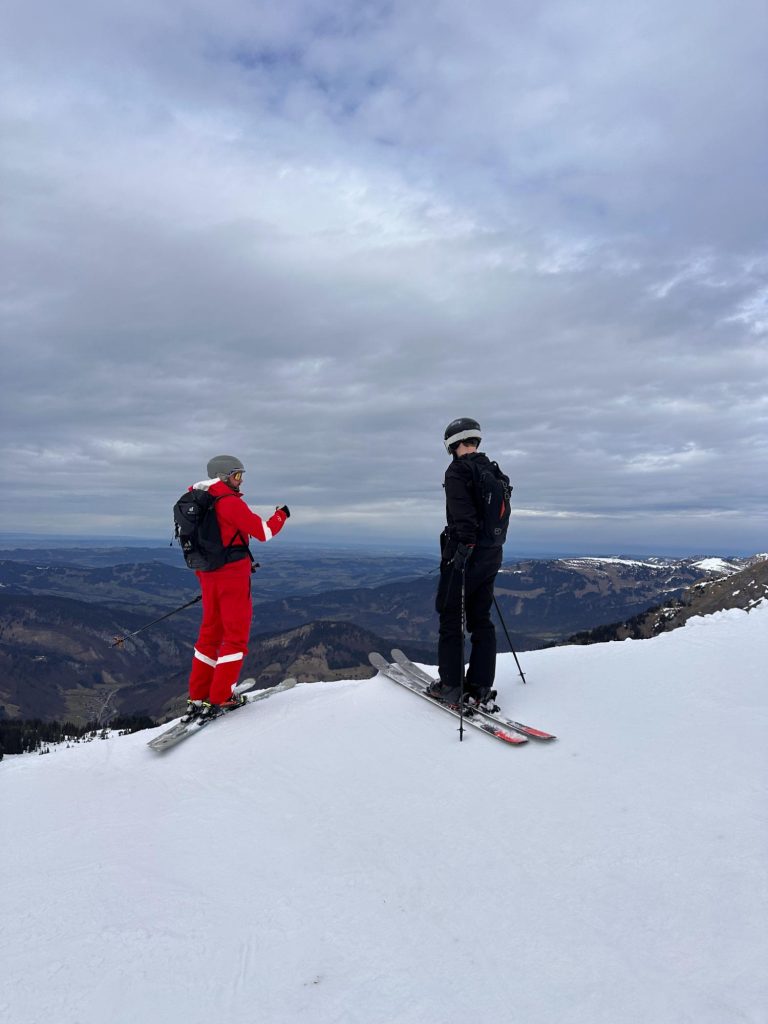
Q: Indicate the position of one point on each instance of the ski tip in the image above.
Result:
(247, 684)
(510, 737)
(284, 684)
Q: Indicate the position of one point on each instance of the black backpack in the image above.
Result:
(493, 492)
(197, 531)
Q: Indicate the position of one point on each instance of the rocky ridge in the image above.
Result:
(741, 588)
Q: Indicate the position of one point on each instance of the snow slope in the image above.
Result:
(717, 565)
(335, 856)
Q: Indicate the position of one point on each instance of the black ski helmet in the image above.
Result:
(462, 429)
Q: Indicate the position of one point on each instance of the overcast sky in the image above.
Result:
(310, 233)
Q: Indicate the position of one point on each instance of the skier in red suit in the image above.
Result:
(222, 642)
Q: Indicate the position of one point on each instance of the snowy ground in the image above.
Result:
(336, 856)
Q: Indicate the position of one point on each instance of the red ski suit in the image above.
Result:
(222, 642)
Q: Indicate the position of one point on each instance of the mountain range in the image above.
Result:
(60, 613)
(743, 589)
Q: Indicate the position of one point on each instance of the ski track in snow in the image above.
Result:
(335, 856)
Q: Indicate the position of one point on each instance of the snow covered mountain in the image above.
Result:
(335, 856)
(736, 588)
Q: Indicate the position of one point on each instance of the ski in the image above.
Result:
(397, 675)
(423, 679)
(187, 727)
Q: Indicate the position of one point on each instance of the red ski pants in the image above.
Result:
(222, 642)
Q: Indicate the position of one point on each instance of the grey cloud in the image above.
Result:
(315, 238)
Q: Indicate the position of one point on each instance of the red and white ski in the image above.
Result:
(423, 679)
(397, 675)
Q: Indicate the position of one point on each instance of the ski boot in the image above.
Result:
(194, 710)
(485, 701)
(236, 700)
(445, 694)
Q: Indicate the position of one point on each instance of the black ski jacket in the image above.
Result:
(462, 503)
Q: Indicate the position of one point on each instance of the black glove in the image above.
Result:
(463, 553)
(284, 508)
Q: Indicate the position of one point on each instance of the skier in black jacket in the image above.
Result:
(469, 559)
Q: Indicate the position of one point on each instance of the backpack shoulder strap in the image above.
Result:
(237, 534)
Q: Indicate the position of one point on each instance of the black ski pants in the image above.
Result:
(480, 575)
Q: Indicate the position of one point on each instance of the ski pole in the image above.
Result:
(120, 640)
(504, 626)
(463, 623)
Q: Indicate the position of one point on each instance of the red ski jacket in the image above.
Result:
(236, 521)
